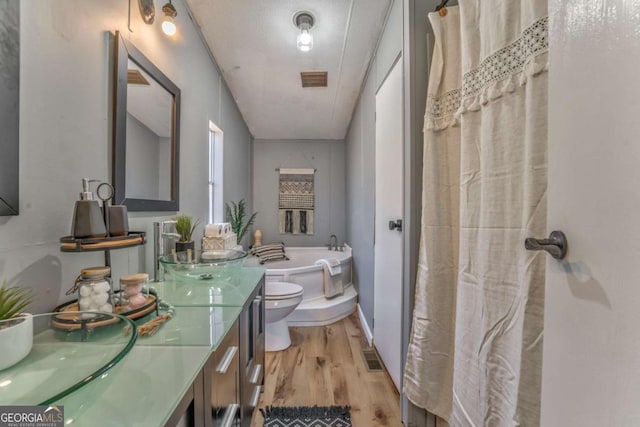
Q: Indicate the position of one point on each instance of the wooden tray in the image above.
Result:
(69, 319)
(71, 244)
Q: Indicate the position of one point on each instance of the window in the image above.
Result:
(215, 173)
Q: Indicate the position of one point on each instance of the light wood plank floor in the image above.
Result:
(324, 366)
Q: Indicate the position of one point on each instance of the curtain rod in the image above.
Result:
(442, 4)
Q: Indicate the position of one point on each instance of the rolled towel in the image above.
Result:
(218, 229)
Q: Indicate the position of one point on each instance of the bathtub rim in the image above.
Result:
(308, 268)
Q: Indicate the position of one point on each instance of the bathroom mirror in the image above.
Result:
(9, 106)
(146, 133)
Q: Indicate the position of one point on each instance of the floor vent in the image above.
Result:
(313, 78)
(371, 360)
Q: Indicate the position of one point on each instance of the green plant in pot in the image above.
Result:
(16, 327)
(185, 226)
(236, 213)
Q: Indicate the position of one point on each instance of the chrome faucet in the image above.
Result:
(159, 236)
(333, 238)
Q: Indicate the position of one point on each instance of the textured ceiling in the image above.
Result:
(254, 44)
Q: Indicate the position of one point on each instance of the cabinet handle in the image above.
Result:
(256, 319)
(255, 397)
(229, 418)
(226, 359)
(255, 374)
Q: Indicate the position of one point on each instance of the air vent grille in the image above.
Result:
(314, 78)
(371, 360)
(135, 77)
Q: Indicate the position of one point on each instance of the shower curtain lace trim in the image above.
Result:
(499, 73)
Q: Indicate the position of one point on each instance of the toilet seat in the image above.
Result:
(282, 290)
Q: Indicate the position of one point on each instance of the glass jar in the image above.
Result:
(133, 294)
(94, 289)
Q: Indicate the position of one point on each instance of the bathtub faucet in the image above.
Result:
(333, 239)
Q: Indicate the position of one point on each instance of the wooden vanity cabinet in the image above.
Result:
(252, 335)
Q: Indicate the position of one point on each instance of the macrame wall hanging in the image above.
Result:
(296, 200)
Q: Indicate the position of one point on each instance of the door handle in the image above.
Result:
(556, 244)
(395, 225)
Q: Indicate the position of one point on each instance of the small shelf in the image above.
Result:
(67, 313)
(71, 244)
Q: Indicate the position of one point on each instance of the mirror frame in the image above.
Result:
(123, 51)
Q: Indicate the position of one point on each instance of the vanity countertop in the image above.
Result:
(232, 289)
(145, 388)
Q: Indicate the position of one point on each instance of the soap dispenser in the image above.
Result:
(87, 215)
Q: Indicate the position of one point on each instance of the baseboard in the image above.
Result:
(365, 326)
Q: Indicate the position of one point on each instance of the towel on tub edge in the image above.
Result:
(332, 276)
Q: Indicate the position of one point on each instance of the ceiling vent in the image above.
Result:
(135, 77)
(314, 78)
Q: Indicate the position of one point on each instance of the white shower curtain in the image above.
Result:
(478, 324)
(428, 380)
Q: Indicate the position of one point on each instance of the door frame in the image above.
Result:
(417, 45)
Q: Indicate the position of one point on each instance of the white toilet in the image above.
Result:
(281, 298)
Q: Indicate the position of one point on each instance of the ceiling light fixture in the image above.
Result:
(304, 21)
(168, 26)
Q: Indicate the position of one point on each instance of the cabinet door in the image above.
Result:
(225, 381)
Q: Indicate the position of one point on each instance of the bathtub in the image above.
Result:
(315, 309)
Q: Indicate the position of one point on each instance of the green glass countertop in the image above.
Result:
(66, 356)
(231, 290)
(143, 390)
(194, 326)
(146, 386)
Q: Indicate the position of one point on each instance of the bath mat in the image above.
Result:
(296, 201)
(307, 416)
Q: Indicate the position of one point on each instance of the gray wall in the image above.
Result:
(328, 158)
(360, 161)
(65, 133)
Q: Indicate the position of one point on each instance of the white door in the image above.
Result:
(387, 311)
(591, 359)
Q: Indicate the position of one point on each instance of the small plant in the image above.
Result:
(185, 227)
(13, 300)
(235, 215)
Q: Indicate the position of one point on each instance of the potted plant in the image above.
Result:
(16, 327)
(185, 226)
(235, 215)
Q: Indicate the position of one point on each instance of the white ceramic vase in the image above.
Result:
(16, 341)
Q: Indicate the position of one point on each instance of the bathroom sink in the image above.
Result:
(66, 355)
(202, 265)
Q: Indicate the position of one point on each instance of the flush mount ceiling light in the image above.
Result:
(304, 21)
(168, 26)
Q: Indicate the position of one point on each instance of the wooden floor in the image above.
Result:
(324, 366)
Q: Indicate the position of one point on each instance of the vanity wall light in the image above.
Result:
(148, 12)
